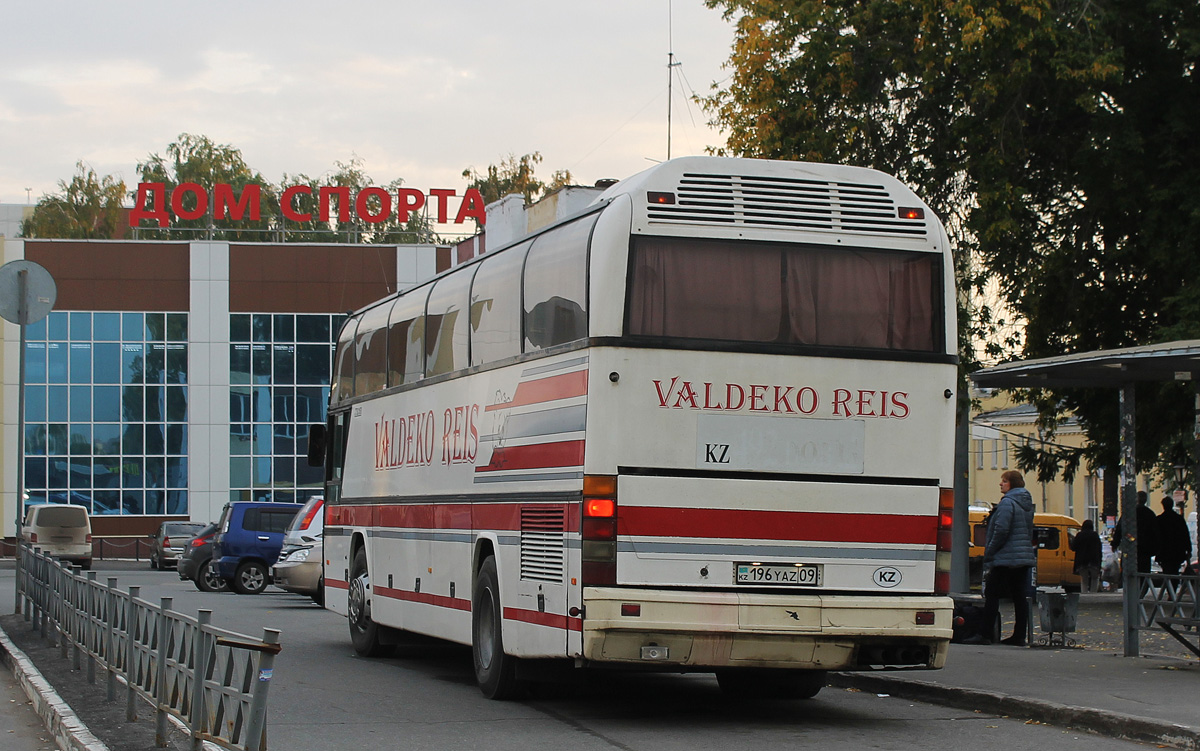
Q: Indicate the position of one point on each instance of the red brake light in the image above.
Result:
(661, 197)
(911, 213)
(598, 531)
(199, 541)
(604, 508)
(166, 542)
(312, 512)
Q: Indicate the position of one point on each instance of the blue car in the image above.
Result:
(247, 544)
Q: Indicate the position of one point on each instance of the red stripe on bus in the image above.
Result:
(336, 584)
(536, 456)
(543, 390)
(441, 601)
(643, 521)
(451, 516)
(543, 619)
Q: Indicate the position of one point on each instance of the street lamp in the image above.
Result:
(1180, 478)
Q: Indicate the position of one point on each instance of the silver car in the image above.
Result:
(300, 569)
(168, 542)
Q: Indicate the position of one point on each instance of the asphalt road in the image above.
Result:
(324, 696)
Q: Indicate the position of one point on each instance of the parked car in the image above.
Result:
(301, 569)
(248, 542)
(63, 530)
(196, 563)
(168, 542)
(308, 526)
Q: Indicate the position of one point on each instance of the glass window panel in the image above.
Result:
(177, 327)
(36, 331)
(133, 501)
(56, 403)
(260, 371)
(156, 327)
(131, 439)
(312, 363)
(133, 327)
(81, 439)
(177, 439)
(239, 327)
(35, 404)
(555, 290)
(261, 327)
(58, 324)
(239, 404)
(132, 403)
(56, 472)
(133, 363)
(306, 476)
(106, 472)
(285, 363)
(239, 439)
(58, 443)
(496, 307)
(284, 444)
(176, 404)
(239, 363)
(177, 475)
(106, 401)
(177, 502)
(285, 471)
(284, 408)
(35, 362)
(177, 363)
(312, 328)
(155, 443)
(156, 408)
(35, 472)
(262, 440)
(107, 438)
(81, 404)
(261, 466)
(35, 440)
(81, 362)
(57, 369)
(370, 350)
(81, 327)
(156, 472)
(285, 328)
(106, 502)
(310, 403)
(446, 324)
(239, 472)
(106, 363)
(131, 472)
(155, 363)
(155, 502)
(107, 327)
(262, 404)
(81, 472)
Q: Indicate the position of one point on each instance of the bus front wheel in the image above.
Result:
(364, 632)
(767, 683)
(495, 672)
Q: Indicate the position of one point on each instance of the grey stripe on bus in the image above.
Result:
(555, 366)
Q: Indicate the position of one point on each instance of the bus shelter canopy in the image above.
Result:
(1172, 361)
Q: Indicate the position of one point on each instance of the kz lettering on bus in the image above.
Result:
(778, 399)
(410, 441)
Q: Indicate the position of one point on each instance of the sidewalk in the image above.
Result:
(1154, 698)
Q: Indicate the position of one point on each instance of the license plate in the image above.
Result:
(779, 574)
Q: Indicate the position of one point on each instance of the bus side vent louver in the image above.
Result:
(542, 549)
(786, 203)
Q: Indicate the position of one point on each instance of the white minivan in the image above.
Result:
(60, 529)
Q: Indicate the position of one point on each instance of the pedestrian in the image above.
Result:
(1008, 558)
(1147, 533)
(1088, 556)
(1174, 540)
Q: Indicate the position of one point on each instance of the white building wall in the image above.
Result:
(10, 359)
(208, 381)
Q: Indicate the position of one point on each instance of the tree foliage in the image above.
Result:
(514, 175)
(87, 207)
(1056, 138)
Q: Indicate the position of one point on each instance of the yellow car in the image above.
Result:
(1056, 559)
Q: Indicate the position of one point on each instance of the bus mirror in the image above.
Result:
(316, 445)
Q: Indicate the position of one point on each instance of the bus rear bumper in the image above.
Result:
(699, 630)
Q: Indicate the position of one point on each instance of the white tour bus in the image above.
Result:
(705, 424)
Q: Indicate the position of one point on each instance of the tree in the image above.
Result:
(515, 175)
(87, 207)
(1057, 139)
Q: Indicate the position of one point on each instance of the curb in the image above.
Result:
(69, 731)
(1111, 724)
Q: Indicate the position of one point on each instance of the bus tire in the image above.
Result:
(768, 683)
(364, 632)
(495, 671)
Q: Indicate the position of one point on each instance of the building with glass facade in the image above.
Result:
(173, 377)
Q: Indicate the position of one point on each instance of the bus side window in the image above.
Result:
(370, 351)
(496, 306)
(556, 286)
(446, 323)
(343, 367)
(406, 338)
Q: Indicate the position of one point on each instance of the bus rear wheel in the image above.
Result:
(364, 632)
(768, 683)
(495, 671)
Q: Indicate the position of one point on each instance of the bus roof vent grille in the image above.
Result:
(785, 202)
(542, 543)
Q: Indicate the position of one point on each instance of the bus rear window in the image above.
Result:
(784, 294)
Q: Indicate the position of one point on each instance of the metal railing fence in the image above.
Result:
(214, 681)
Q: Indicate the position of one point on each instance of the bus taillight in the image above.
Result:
(941, 569)
(598, 530)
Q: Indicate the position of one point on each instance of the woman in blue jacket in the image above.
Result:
(1009, 557)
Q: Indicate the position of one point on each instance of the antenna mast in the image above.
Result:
(671, 64)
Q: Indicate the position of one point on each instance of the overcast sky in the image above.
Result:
(417, 90)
